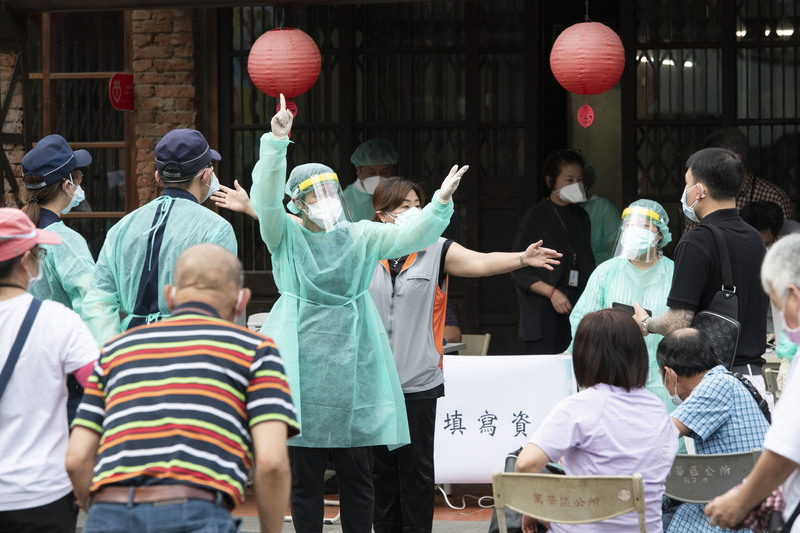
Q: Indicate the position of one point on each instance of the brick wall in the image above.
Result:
(164, 77)
(12, 124)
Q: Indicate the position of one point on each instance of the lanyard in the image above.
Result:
(566, 232)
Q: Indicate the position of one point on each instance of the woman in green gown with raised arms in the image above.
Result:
(336, 353)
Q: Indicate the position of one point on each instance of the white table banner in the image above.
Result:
(492, 406)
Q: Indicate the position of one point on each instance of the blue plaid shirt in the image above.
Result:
(722, 417)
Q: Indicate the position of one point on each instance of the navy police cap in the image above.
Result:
(180, 154)
(53, 160)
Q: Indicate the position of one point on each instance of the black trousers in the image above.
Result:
(404, 478)
(59, 516)
(556, 333)
(353, 474)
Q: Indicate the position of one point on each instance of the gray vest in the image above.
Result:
(413, 315)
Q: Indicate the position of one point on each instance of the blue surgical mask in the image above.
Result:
(635, 242)
(77, 197)
(676, 400)
(213, 187)
(689, 211)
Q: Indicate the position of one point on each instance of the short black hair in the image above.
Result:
(687, 351)
(719, 170)
(555, 162)
(763, 216)
(609, 348)
(730, 139)
(7, 266)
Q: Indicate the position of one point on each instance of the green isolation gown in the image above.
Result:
(335, 350)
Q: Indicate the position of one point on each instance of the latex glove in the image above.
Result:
(783, 373)
(450, 183)
(536, 256)
(234, 199)
(561, 303)
(282, 121)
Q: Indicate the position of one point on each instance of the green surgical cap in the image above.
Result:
(374, 152)
(300, 174)
(663, 219)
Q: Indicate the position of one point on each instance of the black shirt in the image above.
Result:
(698, 277)
(566, 229)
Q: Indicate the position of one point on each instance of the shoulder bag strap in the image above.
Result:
(790, 522)
(762, 403)
(19, 342)
(724, 257)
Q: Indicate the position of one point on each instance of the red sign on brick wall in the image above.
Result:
(120, 91)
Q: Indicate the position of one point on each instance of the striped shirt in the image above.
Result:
(174, 402)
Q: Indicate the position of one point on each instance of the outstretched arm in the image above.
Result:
(269, 176)
(423, 230)
(235, 199)
(467, 263)
(665, 323)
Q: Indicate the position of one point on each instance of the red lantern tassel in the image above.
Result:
(586, 115)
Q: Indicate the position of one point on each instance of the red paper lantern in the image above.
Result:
(587, 58)
(284, 60)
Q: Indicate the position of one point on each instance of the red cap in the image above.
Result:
(18, 234)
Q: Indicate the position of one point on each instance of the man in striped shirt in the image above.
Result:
(175, 411)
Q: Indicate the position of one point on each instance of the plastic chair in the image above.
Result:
(256, 320)
(771, 381)
(700, 478)
(568, 499)
(476, 344)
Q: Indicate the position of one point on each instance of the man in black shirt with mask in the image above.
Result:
(713, 179)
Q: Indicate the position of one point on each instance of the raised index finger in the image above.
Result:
(283, 103)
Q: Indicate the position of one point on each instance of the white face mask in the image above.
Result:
(371, 183)
(405, 216)
(32, 281)
(572, 193)
(212, 187)
(326, 212)
(238, 302)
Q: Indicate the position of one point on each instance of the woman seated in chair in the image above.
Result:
(614, 427)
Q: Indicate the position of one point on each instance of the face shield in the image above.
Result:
(639, 235)
(320, 199)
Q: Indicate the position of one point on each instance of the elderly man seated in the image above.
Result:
(716, 409)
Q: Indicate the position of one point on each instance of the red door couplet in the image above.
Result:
(120, 91)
